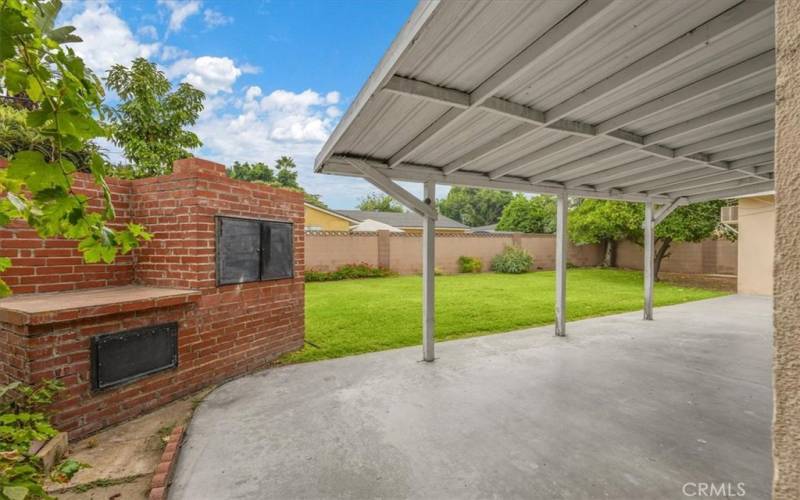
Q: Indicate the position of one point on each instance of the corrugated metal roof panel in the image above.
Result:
(478, 89)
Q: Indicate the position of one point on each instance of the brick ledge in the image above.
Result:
(56, 307)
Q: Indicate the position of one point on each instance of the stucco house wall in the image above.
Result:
(756, 244)
(321, 220)
(786, 420)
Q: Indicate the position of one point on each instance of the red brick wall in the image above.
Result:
(56, 264)
(229, 331)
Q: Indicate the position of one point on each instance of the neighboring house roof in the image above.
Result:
(331, 213)
(491, 228)
(401, 219)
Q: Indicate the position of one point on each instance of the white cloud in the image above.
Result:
(148, 31)
(332, 97)
(170, 53)
(209, 74)
(250, 69)
(260, 126)
(107, 39)
(180, 11)
(214, 18)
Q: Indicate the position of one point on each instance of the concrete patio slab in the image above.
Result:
(621, 408)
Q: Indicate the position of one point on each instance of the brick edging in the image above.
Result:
(166, 466)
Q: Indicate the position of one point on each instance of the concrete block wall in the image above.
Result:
(707, 257)
(402, 253)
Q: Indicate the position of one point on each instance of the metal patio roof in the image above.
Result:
(647, 100)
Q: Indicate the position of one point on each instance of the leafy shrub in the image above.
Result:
(22, 421)
(349, 272)
(469, 264)
(513, 260)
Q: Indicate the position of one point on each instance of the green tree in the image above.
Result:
(376, 202)
(16, 136)
(689, 224)
(536, 214)
(286, 175)
(474, 207)
(65, 97)
(251, 172)
(149, 121)
(605, 222)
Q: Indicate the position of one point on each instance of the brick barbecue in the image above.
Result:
(60, 303)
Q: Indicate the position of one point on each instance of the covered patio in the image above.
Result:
(620, 408)
(663, 103)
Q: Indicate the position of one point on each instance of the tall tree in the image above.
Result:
(536, 214)
(149, 121)
(605, 222)
(65, 97)
(245, 171)
(286, 176)
(286, 172)
(474, 207)
(602, 221)
(376, 202)
(689, 224)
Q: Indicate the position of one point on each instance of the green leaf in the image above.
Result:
(15, 492)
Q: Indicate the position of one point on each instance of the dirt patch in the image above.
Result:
(723, 282)
(124, 457)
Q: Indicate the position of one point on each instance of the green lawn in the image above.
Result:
(358, 316)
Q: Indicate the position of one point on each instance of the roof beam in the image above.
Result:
(388, 186)
(626, 169)
(611, 127)
(434, 128)
(419, 17)
(484, 149)
(743, 135)
(704, 180)
(696, 39)
(565, 29)
(553, 38)
(418, 173)
(763, 146)
(715, 187)
(651, 185)
(665, 210)
(538, 155)
(657, 172)
(719, 80)
(429, 92)
(582, 163)
(734, 192)
(764, 101)
(752, 161)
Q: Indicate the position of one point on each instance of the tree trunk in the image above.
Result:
(613, 260)
(660, 254)
(609, 253)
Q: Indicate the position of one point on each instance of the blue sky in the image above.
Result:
(278, 75)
